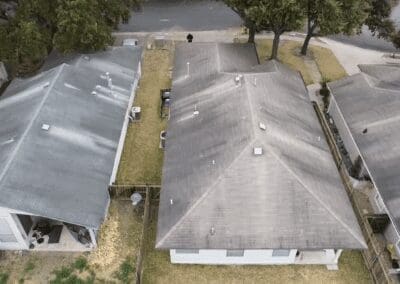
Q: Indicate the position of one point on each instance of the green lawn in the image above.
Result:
(141, 160)
(289, 53)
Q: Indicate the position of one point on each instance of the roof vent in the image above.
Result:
(86, 57)
(171, 201)
(188, 69)
(258, 151)
(319, 138)
(238, 80)
(46, 85)
(365, 131)
(94, 93)
(45, 127)
(212, 231)
(262, 126)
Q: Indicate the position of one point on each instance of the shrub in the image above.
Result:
(125, 271)
(3, 277)
(80, 264)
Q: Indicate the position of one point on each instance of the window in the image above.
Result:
(280, 252)
(186, 251)
(234, 253)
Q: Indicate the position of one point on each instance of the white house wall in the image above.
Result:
(10, 229)
(219, 257)
(256, 257)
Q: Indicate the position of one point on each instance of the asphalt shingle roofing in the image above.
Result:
(216, 193)
(59, 134)
(371, 100)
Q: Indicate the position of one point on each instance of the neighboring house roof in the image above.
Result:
(371, 100)
(216, 194)
(63, 173)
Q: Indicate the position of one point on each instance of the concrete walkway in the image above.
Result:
(348, 55)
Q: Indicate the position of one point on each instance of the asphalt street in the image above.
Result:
(178, 15)
(209, 15)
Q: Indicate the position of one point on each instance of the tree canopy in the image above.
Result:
(240, 7)
(378, 21)
(327, 17)
(38, 26)
(278, 16)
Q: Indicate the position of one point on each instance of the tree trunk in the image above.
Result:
(275, 46)
(306, 43)
(252, 34)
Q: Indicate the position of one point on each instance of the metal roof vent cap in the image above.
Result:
(238, 80)
(45, 127)
(212, 231)
(258, 151)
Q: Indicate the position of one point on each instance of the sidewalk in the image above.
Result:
(348, 55)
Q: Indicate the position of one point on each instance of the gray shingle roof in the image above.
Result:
(371, 100)
(216, 194)
(63, 173)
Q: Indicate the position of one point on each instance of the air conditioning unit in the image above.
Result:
(136, 113)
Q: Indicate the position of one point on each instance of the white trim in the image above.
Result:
(92, 237)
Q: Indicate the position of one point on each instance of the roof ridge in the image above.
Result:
(288, 168)
(369, 78)
(205, 194)
(28, 128)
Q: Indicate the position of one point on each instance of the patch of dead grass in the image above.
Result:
(289, 54)
(327, 63)
(119, 239)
